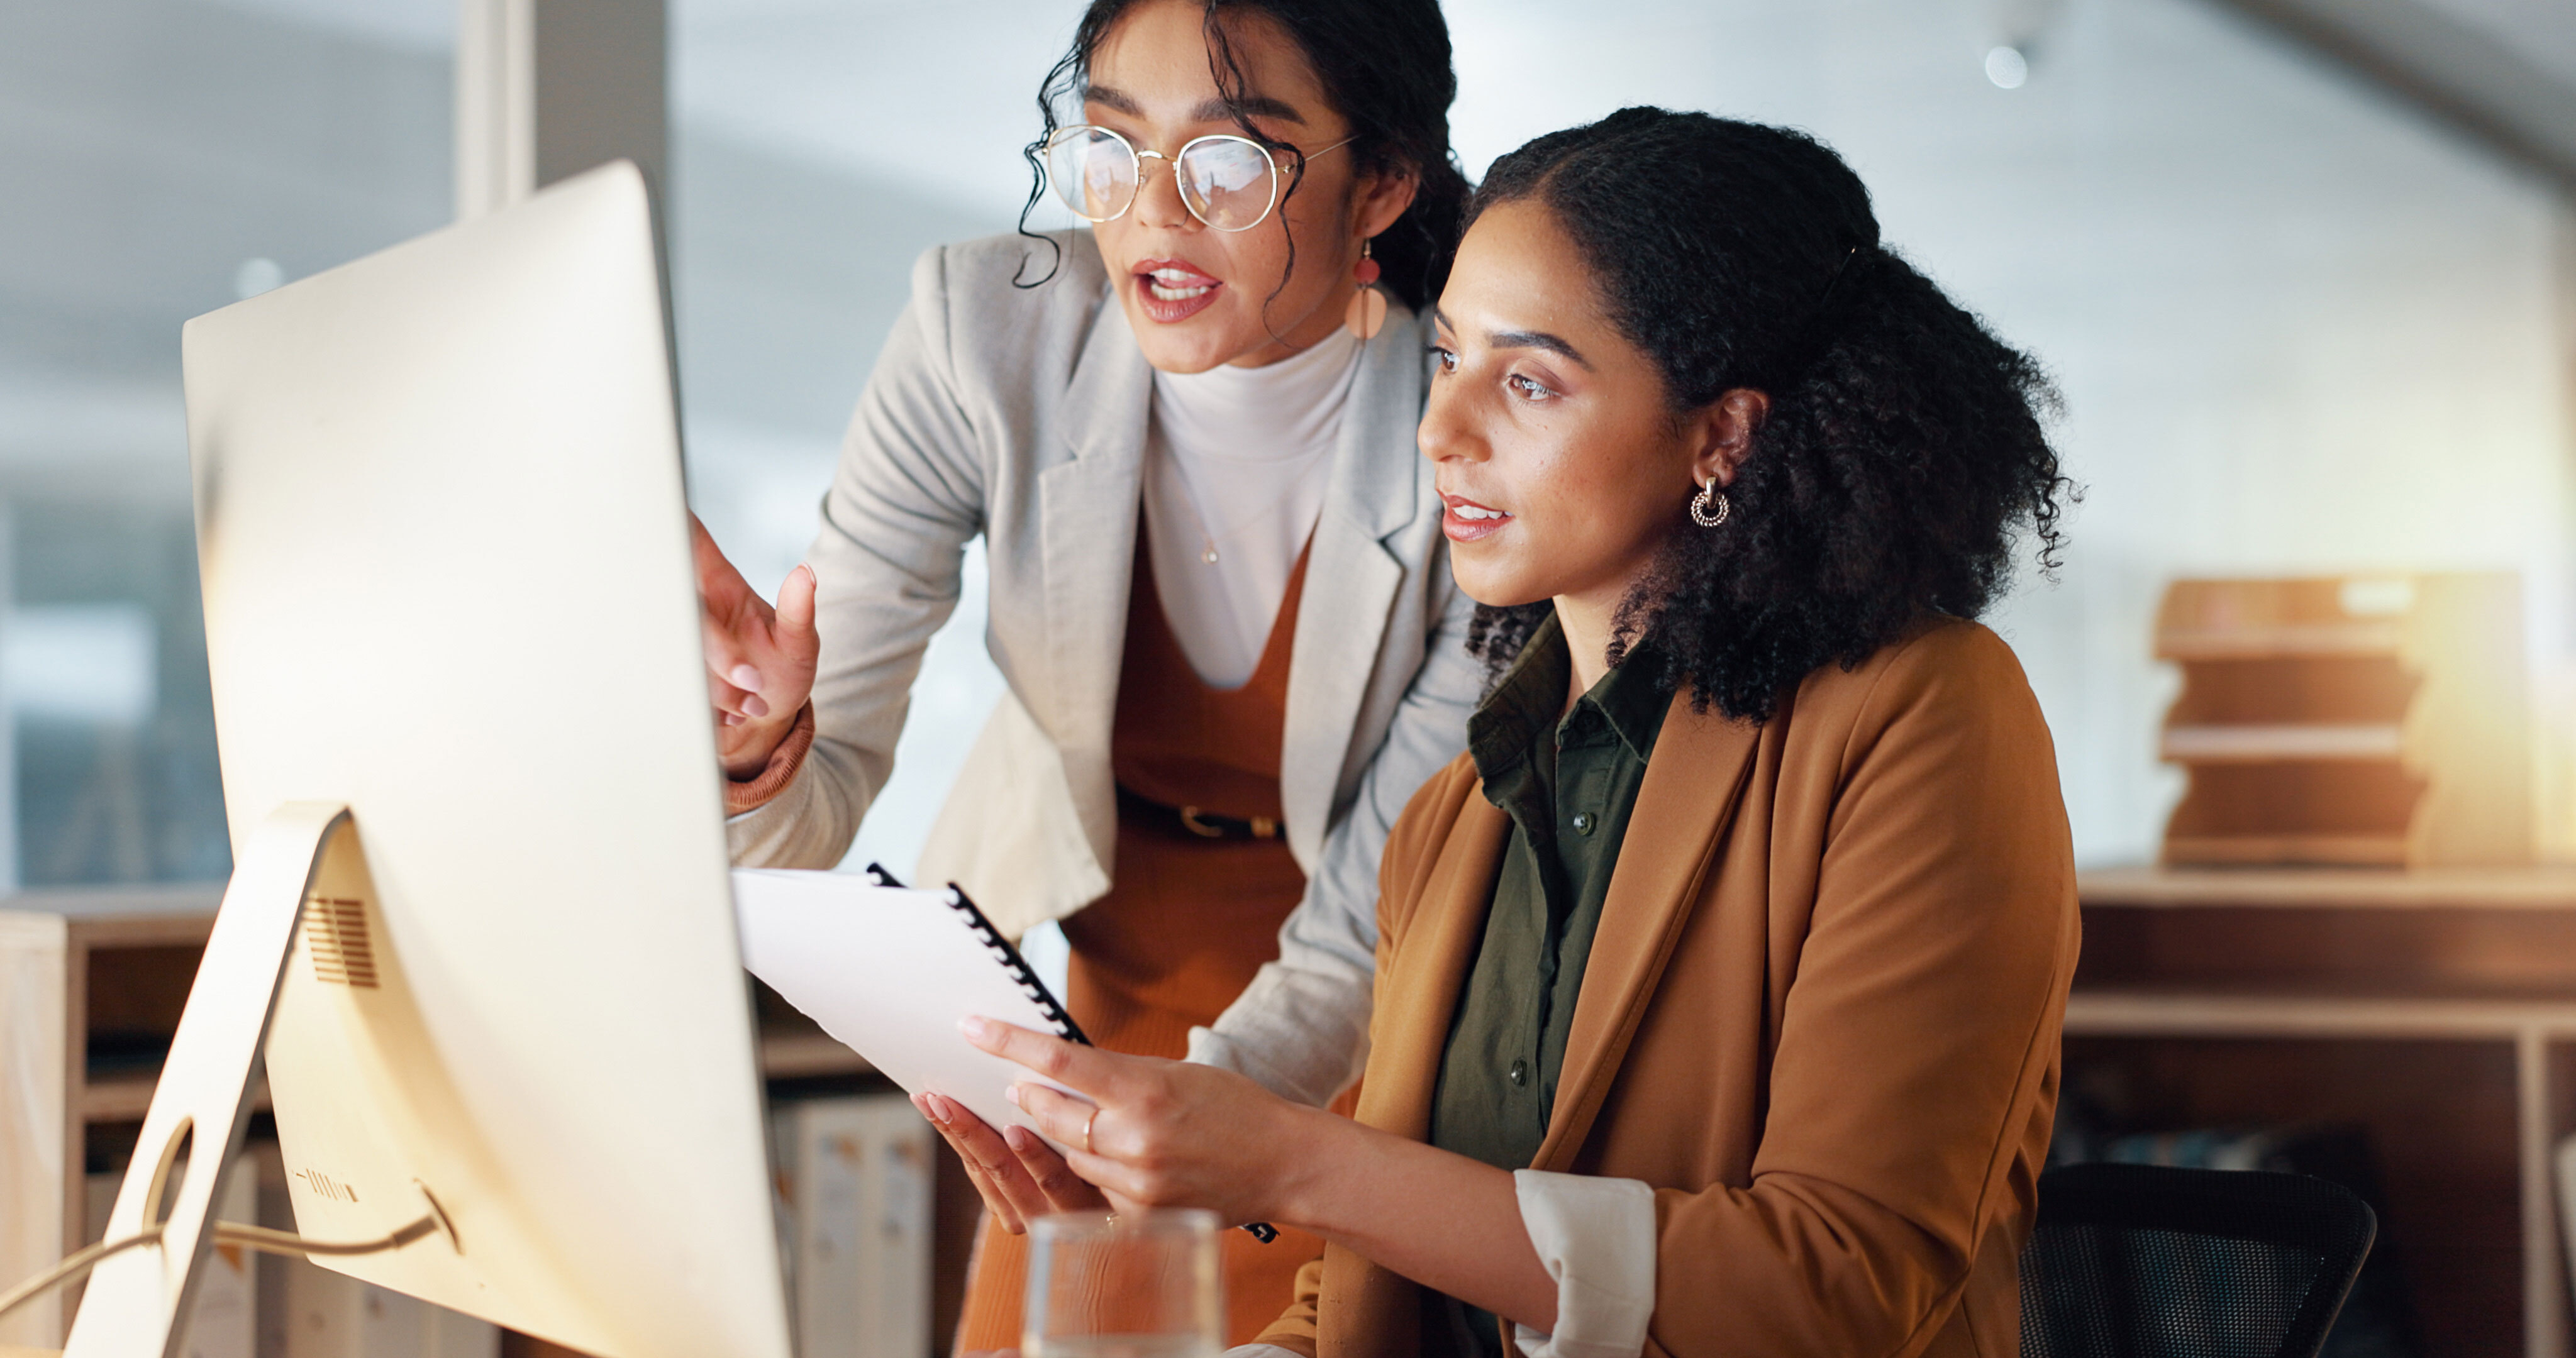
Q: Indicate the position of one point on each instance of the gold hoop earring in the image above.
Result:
(1701, 511)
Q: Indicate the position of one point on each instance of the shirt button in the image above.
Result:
(1584, 821)
(1520, 1072)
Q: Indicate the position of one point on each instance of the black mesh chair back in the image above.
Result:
(2145, 1261)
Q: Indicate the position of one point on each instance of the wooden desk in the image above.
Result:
(91, 986)
(2436, 1008)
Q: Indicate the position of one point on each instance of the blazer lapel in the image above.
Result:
(1087, 522)
(1416, 997)
(1351, 580)
(1670, 848)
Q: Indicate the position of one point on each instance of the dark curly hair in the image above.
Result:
(1903, 456)
(1385, 66)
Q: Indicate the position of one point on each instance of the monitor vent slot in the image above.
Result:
(335, 928)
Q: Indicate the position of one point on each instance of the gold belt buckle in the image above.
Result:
(1263, 827)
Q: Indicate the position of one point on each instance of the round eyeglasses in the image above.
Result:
(1228, 182)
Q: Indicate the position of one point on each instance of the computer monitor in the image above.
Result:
(443, 543)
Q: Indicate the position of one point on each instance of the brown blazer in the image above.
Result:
(1820, 1017)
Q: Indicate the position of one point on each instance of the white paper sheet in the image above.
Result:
(889, 972)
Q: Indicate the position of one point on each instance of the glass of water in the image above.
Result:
(1124, 1285)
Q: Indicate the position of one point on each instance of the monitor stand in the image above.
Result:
(138, 1299)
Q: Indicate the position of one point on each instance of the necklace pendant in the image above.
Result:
(1209, 555)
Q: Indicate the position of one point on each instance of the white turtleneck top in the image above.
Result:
(1235, 463)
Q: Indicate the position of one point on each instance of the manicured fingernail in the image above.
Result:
(1013, 1094)
(753, 707)
(976, 1028)
(745, 677)
(733, 719)
(810, 576)
(937, 1107)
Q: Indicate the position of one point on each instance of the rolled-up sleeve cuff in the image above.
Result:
(1300, 1030)
(1208, 1047)
(744, 796)
(1597, 1238)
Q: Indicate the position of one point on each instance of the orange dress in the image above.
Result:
(1188, 919)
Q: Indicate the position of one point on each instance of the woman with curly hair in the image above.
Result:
(1720, 982)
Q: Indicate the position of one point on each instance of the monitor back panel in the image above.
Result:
(444, 551)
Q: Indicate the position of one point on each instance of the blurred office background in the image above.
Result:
(2301, 323)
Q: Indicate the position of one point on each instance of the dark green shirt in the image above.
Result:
(1568, 778)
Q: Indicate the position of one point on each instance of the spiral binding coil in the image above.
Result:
(1036, 989)
(1015, 964)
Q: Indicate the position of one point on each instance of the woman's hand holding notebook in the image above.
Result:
(890, 972)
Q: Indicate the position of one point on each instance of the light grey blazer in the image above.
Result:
(1020, 414)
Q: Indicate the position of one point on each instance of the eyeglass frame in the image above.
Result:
(1046, 160)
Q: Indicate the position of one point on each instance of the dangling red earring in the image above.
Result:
(1367, 314)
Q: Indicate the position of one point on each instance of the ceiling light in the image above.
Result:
(2007, 67)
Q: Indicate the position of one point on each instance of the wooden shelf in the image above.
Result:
(2273, 850)
(128, 1097)
(794, 1056)
(2433, 1007)
(2537, 888)
(789, 1056)
(2245, 742)
(121, 962)
(2366, 721)
(2293, 638)
(2136, 1013)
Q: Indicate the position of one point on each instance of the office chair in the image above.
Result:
(2146, 1261)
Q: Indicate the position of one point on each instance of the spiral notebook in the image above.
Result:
(890, 971)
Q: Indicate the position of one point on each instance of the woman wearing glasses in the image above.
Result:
(1720, 983)
(1219, 590)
